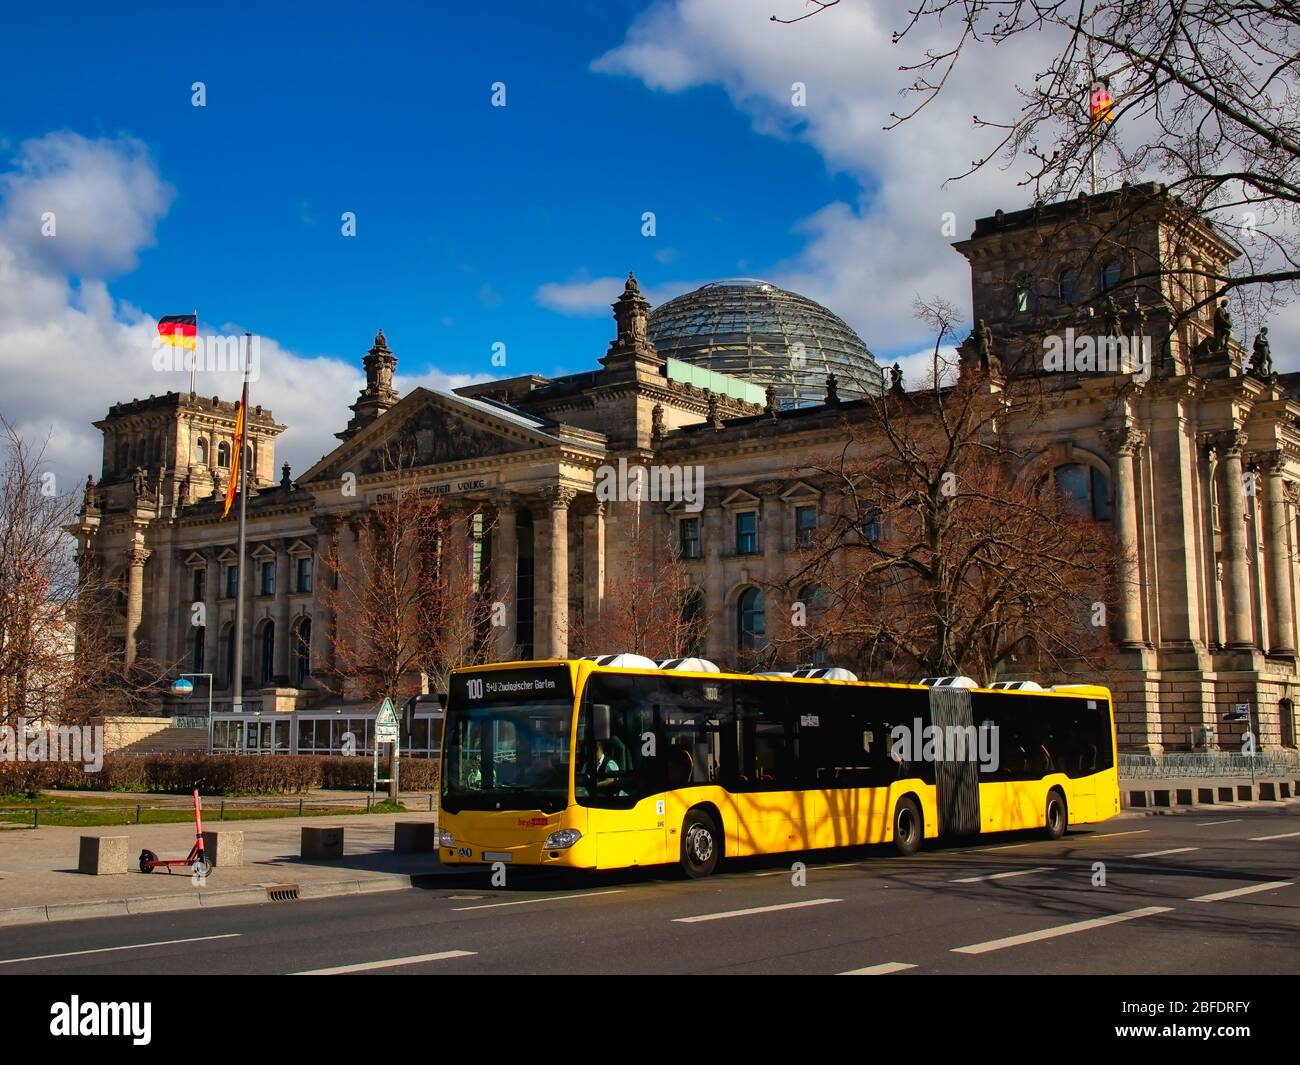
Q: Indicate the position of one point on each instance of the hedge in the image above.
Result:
(219, 774)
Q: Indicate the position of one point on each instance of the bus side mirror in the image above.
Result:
(600, 721)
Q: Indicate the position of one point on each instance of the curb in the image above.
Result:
(247, 895)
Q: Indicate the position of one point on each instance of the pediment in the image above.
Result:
(740, 500)
(429, 428)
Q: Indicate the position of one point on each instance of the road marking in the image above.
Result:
(1131, 832)
(755, 909)
(1284, 835)
(1002, 876)
(130, 946)
(883, 969)
(1229, 821)
(1060, 930)
(1158, 854)
(1219, 896)
(526, 902)
(387, 963)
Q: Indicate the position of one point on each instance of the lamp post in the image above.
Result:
(181, 686)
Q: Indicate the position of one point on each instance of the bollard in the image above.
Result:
(222, 816)
(137, 813)
(369, 800)
(299, 807)
(36, 817)
(430, 802)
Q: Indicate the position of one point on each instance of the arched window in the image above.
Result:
(1025, 300)
(198, 651)
(223, 455)
(1067, 285)
(266, 653)
(1108, 276)
(751, 624)
(300, 653)
(1088, 486)
(201, 452)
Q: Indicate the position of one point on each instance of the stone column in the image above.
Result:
(211, 614)
(593, 567)
(280, 667)
(1281, 629)
(551, 637)
(1125, 442)
(1229, 446)
(323, 596)
(715, 530)
(505, 575)
(137, 555)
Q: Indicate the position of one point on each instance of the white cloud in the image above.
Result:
(867, 259)
(591, 297)
(69, 349)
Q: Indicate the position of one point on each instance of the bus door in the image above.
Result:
(956, 773)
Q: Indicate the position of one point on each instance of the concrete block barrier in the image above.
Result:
(325, 843)
(415, 837)
(224, 848)
(103, 855)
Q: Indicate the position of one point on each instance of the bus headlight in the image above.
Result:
(446, 839)
(562, 840)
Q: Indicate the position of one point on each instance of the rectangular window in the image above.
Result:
(304, 574)
(268, 578)
(689, 537)
(200, 585)
(871, 529)
(805, 525)
(232, 582)
(747, 533)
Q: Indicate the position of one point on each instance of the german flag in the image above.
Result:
(1099, 104)
(179, 330)
(237, 458)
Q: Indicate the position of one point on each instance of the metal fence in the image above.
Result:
(1208, 764)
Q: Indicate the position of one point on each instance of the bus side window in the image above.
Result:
(767, 756)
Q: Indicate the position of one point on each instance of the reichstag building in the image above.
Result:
(743, 378)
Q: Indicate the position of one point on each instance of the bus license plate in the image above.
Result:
(497, 856)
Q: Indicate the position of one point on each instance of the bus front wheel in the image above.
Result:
(907, 827)
(1058, 818)
(701, 844)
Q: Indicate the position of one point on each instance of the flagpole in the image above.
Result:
(194, 358)
(237, 696)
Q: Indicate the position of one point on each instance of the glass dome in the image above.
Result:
(753, 330)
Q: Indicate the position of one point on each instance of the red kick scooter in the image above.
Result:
(196, 859)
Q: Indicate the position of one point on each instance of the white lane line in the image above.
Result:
(883, 969)
(129, 946)
(1219, 896)
(1002, 876)
(1284, 835)
(1131, 832)
(752, 910)
(1229, 821)
(1159, 854)
(528, 902)
(387, 963)
(1060, 930)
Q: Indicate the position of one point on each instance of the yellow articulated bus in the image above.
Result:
(616, 761)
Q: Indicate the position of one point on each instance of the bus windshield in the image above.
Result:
(505, 750)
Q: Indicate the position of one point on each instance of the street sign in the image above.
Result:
(386, 723)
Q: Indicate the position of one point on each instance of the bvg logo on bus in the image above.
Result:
(533, 822)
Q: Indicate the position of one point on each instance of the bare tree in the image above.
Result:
(650, 607)
(61, 651)
(405, 607)
(1203, 97)
(947, 550)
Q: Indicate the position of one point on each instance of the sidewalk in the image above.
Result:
(39, 879)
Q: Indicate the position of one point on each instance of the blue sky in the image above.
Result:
(463, 209)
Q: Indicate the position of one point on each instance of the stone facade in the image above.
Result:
(1197, 458)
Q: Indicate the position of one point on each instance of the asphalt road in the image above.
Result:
(1200, 893)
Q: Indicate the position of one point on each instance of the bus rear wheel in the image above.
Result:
(1058, 818)
(701, 845)
(907, 827)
